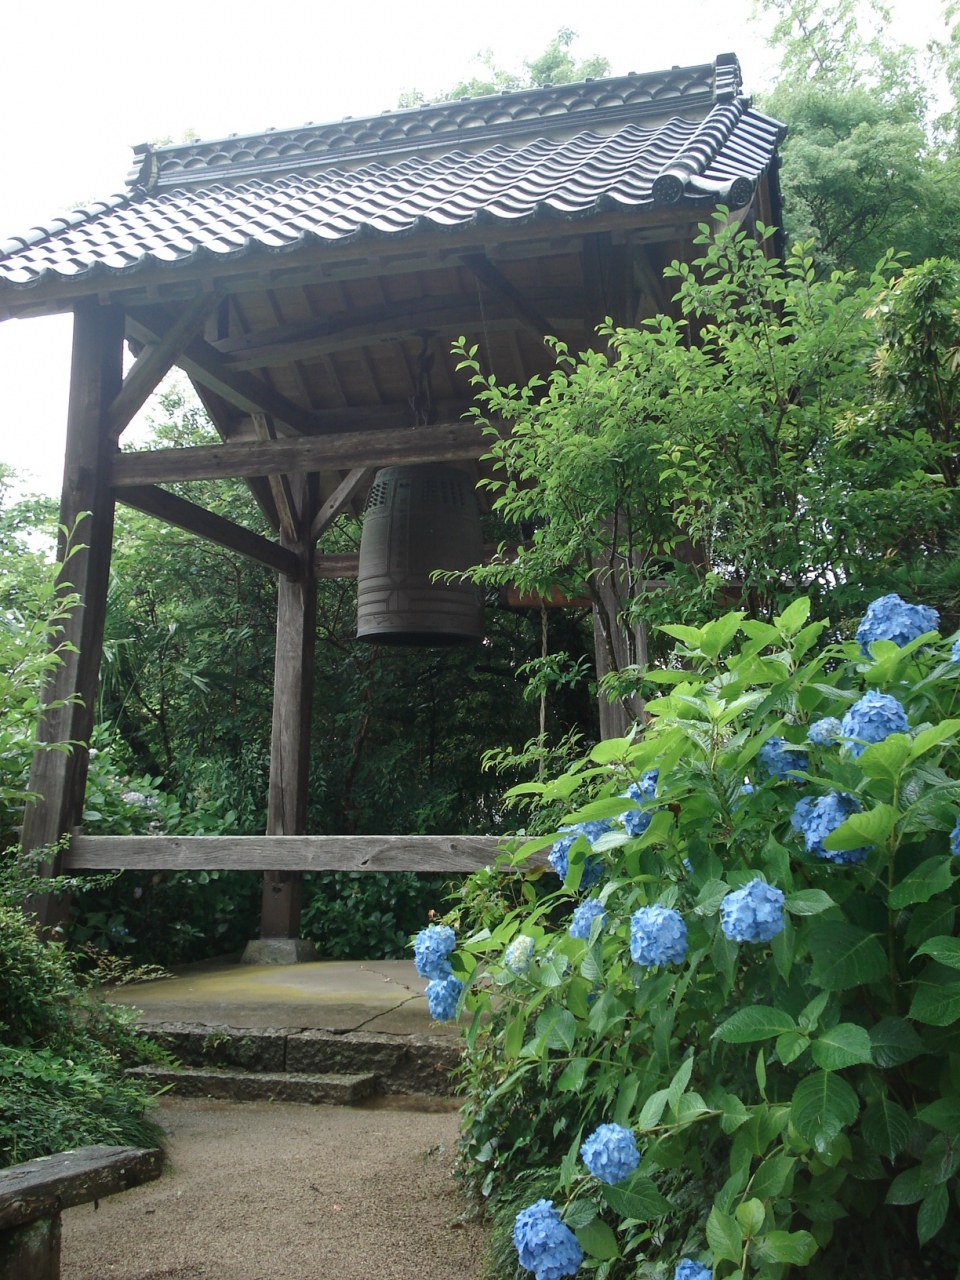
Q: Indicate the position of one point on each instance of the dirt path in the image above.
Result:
(273, 1191)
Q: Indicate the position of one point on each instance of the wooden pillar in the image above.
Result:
(86, 511)
(290, 741)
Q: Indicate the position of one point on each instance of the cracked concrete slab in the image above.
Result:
(385, 996)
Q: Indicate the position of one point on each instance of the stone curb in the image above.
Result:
(260, 1086)
(401, 1063)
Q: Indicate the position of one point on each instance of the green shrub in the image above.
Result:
(795, 1100)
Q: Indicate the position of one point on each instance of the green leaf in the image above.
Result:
(579, 1213)
(571, 1078)
(844, 956)
(944, 950)
(750, 1215)
(690, 636)
(908, 1187)
(710, 897)
(886, 759)
(932, 737)
(790, 1046)
(641, 1200)
(931, 877)
(563, 1031)
(869, 828)
(823, 1105)
(930, 919)
(943, 1114)
(680, 1081)
(513, 1036)
(610, 749)
(808, 902)
(734, 1113)
(932, 1214)
(793, 617)
(792, 1247)
(653, 1109)
(894, 1042)
(756, 1022)
(841, 1046)
(597, 1240)
(771, 1177)
(886, 1127)
(724, 1236)
(936, 997)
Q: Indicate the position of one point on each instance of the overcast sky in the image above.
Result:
(80, 88)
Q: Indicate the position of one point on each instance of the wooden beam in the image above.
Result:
(341, 497)
(343, 564)
(279, 484)
(446, 442)
(41, 1188)
(287, 853)
(177, 511)
(205, 364)
(59, 771)
(498, 284)
(155, 363)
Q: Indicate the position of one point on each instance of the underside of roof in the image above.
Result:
(684, 138)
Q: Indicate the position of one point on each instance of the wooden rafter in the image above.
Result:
(177, 511)
(493, 279)
(279, 483)
(442, 443)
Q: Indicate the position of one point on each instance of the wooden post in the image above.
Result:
(86, 511)
(290, 741)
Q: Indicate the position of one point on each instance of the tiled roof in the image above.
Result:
(716, 157)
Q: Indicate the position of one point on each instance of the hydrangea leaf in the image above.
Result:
(844, 955)
(871, 827)
(944, 1114)
(894, 1042)
(790, 1046)
(795, 1248)
(929, 738)
(597, 1240)
(940, 1160)
(757, 1022)
(823, 1104)
(579, 1214)
(886, 759)
(793, 617)
(771, 1177)
(610, 749)
(932, 877)
(808, 902)
(724, 1236)
(929, 919)
(679, 1082)
(886, 1127)
(907, 1187)
(841, 1046)
(513, 1036)
(750, 1215)
(932, 1214)
(710, 897)
(942, 949)
(936, 997)
(640, 1200)
(572, 1075)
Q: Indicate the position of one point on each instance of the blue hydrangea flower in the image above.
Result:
(658, 935)
(826, 731)
(431, 947)
(746, 788)
(955, 652)
(777, 758)
(442, 997)
(544, 1243)
(518, 954)
(753, 913)
(635, 820)
(891, 618)
(872, 719)
(610, 1153)
(584, 917)
(559, 858)
(687, 1269)
(955, 840)
(816, 818)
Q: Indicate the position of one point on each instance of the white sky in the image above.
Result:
(83, 85)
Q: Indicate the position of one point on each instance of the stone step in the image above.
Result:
(261, 1086)
(401, 1063)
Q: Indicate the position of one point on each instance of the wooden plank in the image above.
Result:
(43, 1187)
(341, 564)
(205, 364)
(177, 511)
(155, 363)
(445, 442)
(498, 284)
(58, 777)
(290, 733)
(279, 484)
(281, 853)
(341, 497)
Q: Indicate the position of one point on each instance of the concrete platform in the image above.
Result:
(382, 996)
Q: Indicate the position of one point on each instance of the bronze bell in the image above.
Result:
(419, 519)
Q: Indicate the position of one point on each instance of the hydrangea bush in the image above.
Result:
(756, 990)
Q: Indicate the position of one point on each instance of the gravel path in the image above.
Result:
(274, 1191)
